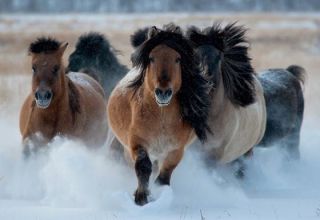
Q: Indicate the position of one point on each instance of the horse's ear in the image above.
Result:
(62, 48)
(153, 31)
(171, 27)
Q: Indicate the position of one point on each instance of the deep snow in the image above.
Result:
(71, 182)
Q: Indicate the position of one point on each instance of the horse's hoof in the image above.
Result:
(141, 197)
(162, 181)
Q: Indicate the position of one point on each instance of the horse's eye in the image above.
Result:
(33, 69)
(151, 59)
(178, 60)
(55, 70)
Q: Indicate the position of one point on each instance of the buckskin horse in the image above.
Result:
(160, 106)
(247, 109)
(71, 105)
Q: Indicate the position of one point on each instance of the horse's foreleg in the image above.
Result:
(143, 168)
(169, 164)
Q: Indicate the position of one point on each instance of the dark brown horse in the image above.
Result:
(160, 106)
(70, 105)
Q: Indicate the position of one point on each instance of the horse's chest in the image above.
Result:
(161, 145)
(163, 137)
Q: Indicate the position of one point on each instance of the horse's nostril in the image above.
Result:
(158, 91)
(48, 95)
(168, 92)
(43, 95)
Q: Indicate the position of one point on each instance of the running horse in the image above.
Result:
(70, 105)
(160, 106)
(246, 109)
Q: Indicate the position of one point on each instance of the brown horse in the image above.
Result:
(160, 106)
(71, 105)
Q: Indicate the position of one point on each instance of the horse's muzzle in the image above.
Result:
(43, 98)
(163, 96)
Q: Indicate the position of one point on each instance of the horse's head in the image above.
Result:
(223, 53)
(208, 50)
(163, 73)
(169, 69)
(48, 70)
(160, 59)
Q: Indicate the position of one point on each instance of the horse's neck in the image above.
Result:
(219, 98)
(58, 109)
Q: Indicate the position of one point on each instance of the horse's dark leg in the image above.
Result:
(143, 168)
(292, 141)
(169, 164)
(27, 148)
(240, 166)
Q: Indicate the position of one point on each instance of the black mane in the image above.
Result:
(193, 95)
(139, 36)
(44, 45)
(95, 56)
(236, 70)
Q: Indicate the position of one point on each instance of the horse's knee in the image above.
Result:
(143, 168)
(143, 165)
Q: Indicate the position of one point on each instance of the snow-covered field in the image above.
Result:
(71, 182)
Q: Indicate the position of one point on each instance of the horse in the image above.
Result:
(247, 109)
(95, 56)
(71, 105)
(160, 106)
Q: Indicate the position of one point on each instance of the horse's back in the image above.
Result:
(85, 81)
(93, 117)
(284, 100)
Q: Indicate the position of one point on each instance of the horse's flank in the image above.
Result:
(236, 129)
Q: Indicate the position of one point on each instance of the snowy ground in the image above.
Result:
(71, 182)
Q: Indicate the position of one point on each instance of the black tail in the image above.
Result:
(299, 72)
(94, 55)
(236, 70)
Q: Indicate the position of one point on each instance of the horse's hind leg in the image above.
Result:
(169, 164)
(240, 165)
(143, 168)
(291, 143)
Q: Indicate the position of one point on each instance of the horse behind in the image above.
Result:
(70, 105)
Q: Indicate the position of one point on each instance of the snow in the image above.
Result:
(71, 182)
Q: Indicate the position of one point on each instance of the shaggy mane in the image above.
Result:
(193, 95)
(44, 45)
(236, 70)
(139, 36)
